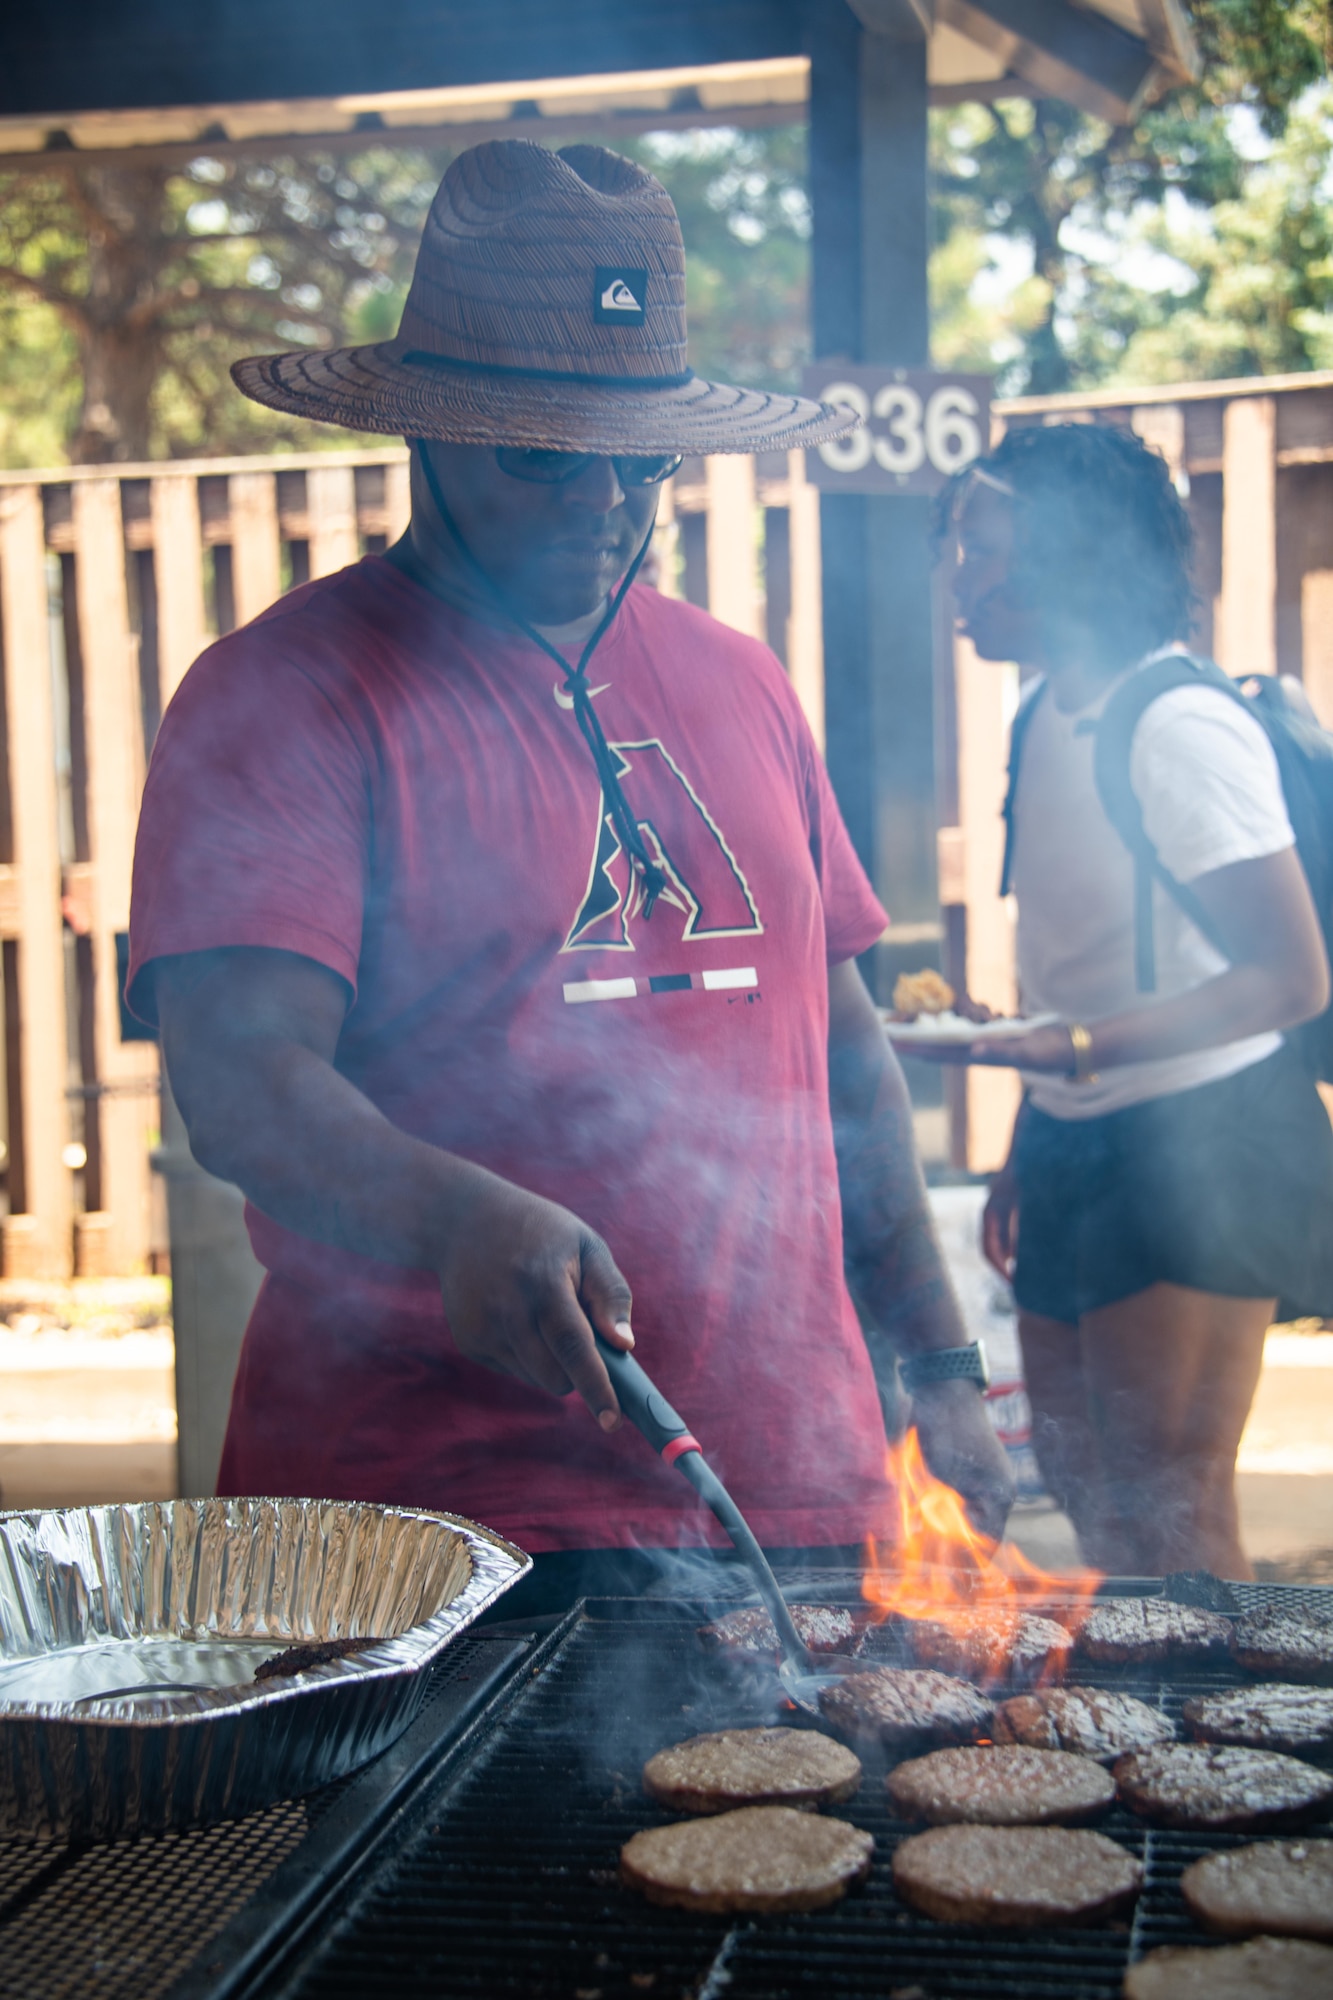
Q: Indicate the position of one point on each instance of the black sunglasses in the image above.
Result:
(553, 468)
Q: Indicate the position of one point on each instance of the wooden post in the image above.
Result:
(331, 499)
(805, 627)
(178, 568)
(38, 1242)
(868, 106)
(1246, 636)
(733, 584)
(256, 554)
(115, 782)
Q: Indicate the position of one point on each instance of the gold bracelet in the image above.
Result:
(1082, 1041)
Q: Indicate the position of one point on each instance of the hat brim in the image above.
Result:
(375, 389)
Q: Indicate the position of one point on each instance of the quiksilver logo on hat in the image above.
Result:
(619, 295)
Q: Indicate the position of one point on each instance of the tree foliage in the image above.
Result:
(1065, 189)
(129, 289)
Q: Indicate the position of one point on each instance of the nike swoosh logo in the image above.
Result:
(567, 700)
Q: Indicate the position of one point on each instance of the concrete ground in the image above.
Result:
(87, 1413)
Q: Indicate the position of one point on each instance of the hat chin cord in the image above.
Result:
(650, 877)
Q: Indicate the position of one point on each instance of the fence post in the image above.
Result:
(805, 626)
(256, 553)
(733, 593)
(1246, 638)
(37, 1242)
(331, 500)
(178, 568)
(118, 1241)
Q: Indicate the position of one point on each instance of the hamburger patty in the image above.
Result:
(760, 1859)
(1276, 1717)
(823, 1628)
(906, 1707)
(1005, 1786)
(1092, 1722)
(737, 1767)
(1290, 1641)
(1284, 1887)
(1264, 1969)
(1144, 1631)
(991, 1644)
(1221, 1787)
(1015, 1875)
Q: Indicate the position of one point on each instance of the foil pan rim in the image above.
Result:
(495, 1565)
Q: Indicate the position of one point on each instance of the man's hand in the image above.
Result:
(961, 1449)
(524, 1284)
(250, 1037)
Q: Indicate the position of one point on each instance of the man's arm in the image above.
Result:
(894, 1266)
(249, 1037)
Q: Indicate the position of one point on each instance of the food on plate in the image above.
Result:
(1016, 1875)
(1222, 1787)
(1001, 1785)
(991, 1643)
(1265, 1969)
(299, 1659)
(906, 1708)
(1147, 1631)
(759, 1859)
(1276, 1717)
(921, 992)
(736, 1767)
(1292, 1642)
(1093, 1722)
(823, 1628)
(1282, 1887)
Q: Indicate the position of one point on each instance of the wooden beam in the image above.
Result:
(1065, 51)
(74, 55)
(37, 1243)
(128, 1071)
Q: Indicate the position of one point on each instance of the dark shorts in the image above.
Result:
(1227, 1188)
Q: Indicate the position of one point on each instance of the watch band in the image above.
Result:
(946, 1364)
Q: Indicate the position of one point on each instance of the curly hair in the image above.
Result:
(1103, 540)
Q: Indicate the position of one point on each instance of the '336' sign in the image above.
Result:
(917, 427)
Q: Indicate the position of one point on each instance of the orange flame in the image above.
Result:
(933, 1564)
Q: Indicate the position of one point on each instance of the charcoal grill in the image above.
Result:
(479, 1858)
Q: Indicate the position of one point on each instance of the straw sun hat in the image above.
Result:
(547, 309)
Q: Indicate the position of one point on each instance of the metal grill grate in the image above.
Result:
(504, 1882)
(120, 1919)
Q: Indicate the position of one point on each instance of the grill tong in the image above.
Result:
(802, 1673)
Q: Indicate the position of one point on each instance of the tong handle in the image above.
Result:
(667, 1432)
(645, 1405)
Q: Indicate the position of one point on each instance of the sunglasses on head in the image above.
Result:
(553, 468)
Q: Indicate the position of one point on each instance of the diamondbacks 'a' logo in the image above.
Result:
(705, 888)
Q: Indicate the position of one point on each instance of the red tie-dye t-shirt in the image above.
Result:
(367, 778)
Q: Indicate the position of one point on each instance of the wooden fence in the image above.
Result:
(111, 581)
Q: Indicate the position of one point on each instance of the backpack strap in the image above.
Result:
(1111, 761)
(1018, 730)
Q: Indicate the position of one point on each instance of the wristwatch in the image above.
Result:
(946, 1364)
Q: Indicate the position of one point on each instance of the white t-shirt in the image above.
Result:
(1206, 777)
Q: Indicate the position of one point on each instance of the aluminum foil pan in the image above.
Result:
(130, 1635)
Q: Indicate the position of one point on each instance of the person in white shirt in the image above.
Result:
(1171, 1175)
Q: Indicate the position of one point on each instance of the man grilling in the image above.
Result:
(501, 930)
